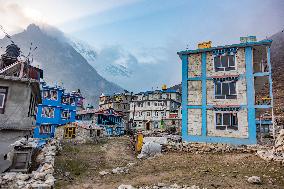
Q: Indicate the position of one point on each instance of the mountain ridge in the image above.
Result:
(61, 63)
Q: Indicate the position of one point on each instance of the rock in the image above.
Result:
(67, 174)
(38, 175)
(254, 180)
(193, 187)
(50, 181)
(9, 176)
(119, 170)
(23, 177)
(40, 185)
(161, 184)
(123, 186)
(103, 173)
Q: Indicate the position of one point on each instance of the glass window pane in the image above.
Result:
(226, 118)
(232, 88)
(217, 62)
(219, 119)
(231, 60)
(2, 99)
(225, 88)
(218, 88)
(234, 119)
(224, 61)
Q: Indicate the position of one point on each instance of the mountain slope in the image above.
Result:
(277, 61)
(108, 66)
(61, 63)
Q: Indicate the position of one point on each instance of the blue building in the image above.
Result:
(111, 121)
(227, 93)
(57, 108)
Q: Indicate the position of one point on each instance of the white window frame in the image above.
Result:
(225, 54)
(215, 85)
(224, 112)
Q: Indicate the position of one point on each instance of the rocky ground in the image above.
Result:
(112, 163)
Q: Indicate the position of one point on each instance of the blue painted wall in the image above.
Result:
(251, 107)
(58, 107)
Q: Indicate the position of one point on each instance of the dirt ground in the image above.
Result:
(84, 162)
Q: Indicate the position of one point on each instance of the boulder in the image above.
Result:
(103, 173)
(123, 186)
(254, 180)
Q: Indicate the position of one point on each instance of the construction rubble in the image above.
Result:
(42, 177)
(277, 152)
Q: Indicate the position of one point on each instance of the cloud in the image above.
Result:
(146, 70)
(15, 15)
(13, 18)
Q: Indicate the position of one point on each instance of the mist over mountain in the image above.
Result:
(110, 62)
(61, 63)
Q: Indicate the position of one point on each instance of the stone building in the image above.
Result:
(159, 109)
(227, 93)
(120, 102)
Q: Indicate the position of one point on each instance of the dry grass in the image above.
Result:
(207, 170)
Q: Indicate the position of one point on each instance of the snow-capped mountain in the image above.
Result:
(61, 63)
(107, 65)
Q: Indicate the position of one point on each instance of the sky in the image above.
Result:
(146, 34)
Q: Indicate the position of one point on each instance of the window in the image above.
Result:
(53, 95)
(32, 106)
(72, 101)
(224, 62)
(225, 90)
(69, 132)
(148, 103)
(45, 129)
(173, 122)
(65, 114)
(156, 125)
(3, 96)
(148, 113)
(226, 120)
(46, 94)
(65, 100)
(156, 113)
(47, 112)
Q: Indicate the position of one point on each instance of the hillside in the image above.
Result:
(61, 63)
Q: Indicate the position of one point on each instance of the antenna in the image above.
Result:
(6, 34)
(187, 46)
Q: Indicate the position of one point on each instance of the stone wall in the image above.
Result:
(241, 89)
(194, 65)
(242, 131)
(240, 64)
(194, 121)
(82, 135)
(41, 178)
(194, 93)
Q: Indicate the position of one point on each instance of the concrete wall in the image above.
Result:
(242, 131)
(17, 105)
(194, 121)
(194, 93)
